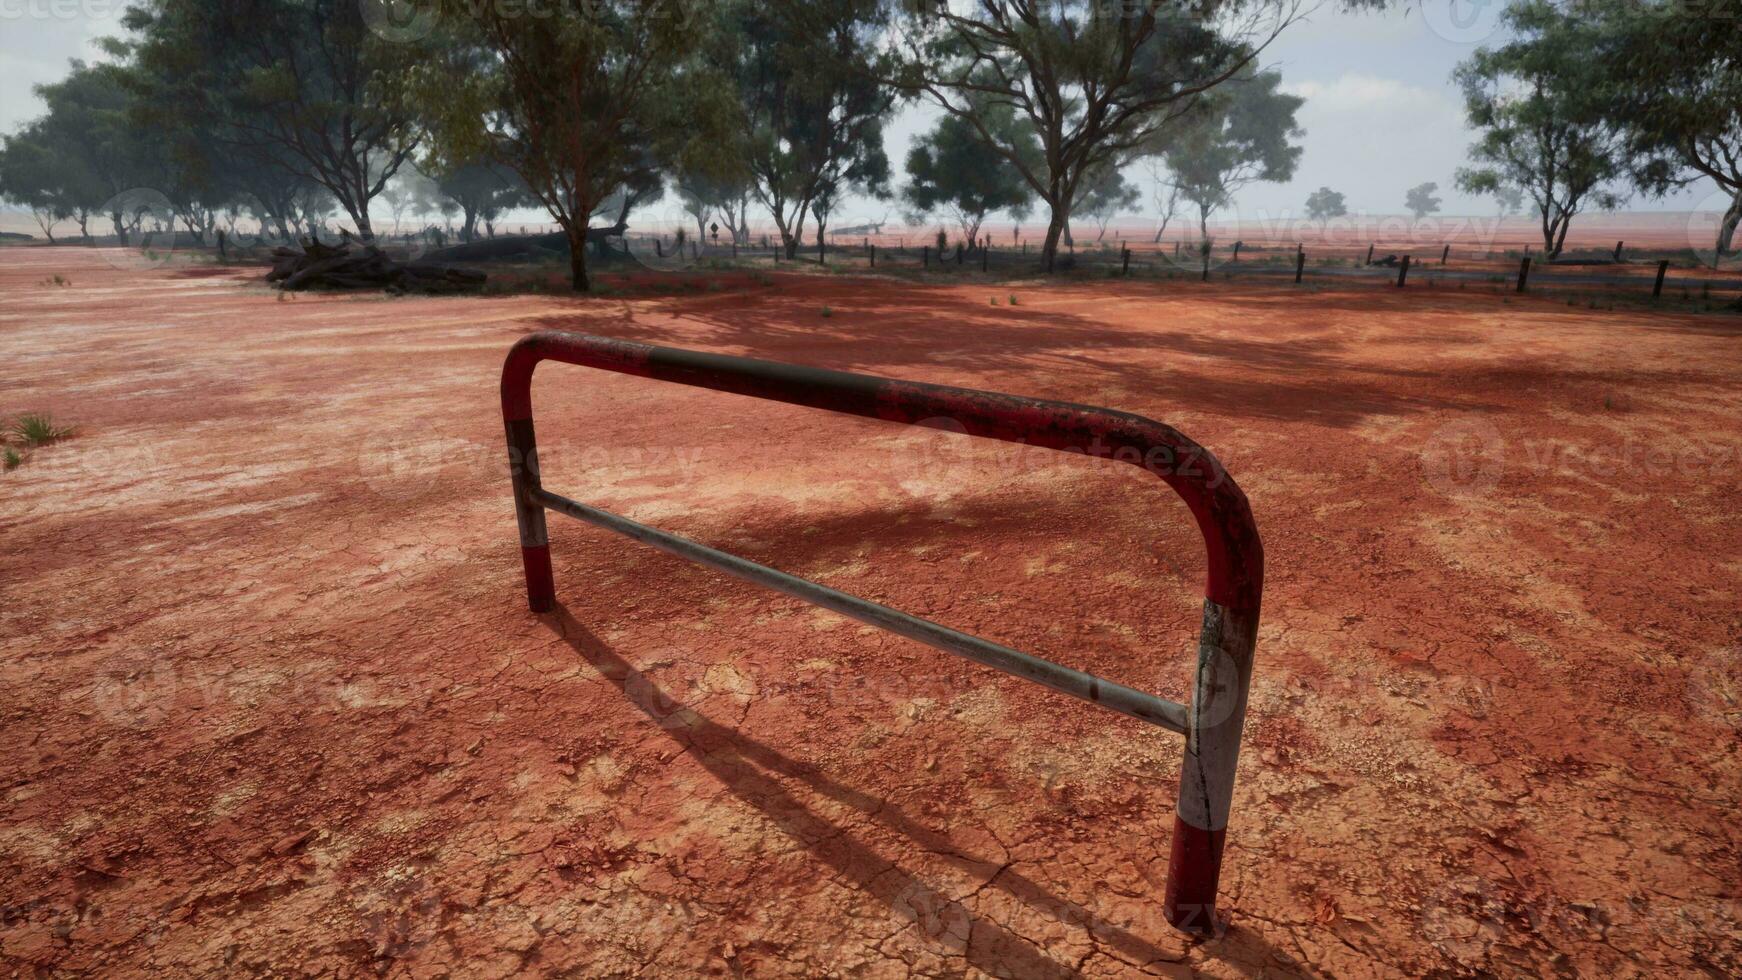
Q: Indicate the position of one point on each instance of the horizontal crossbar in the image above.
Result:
(1117, 697)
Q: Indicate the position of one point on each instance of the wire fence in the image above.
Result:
(1519, 268)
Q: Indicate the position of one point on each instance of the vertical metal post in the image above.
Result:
(529, 514)
(1402, 271)
(1523, 273)
(1216, 714)
(1299, 265)
(1657, 287)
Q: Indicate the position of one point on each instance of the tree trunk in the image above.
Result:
(360, 215)
(1204, 242)
(1727, 227)
(469, 230)
(578, 280)
(1555, 235)
(1055, 229)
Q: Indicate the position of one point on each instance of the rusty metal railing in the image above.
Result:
(1211, 722)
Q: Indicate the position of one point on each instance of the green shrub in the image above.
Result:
(37, 429)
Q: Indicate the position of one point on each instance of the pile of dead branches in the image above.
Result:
(344, 266)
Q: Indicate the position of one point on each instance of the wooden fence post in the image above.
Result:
(1402, 271)
(1523, 273)
(1657, 287)
(1299, 265)
(1446, 254)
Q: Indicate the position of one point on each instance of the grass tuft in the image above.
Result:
(12, 458)
(37, 429)
(827, 312)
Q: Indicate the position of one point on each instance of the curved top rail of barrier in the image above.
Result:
(1211, 722)
(1235, 573)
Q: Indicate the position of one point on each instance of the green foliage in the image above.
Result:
(1094, 84)
(12, 458)
(1670, 81)
(1241, 134)
(950, 169)
(1510, 199)
(1535, 101)
(1420, 200)
(586, 105)
(480, 192)
(1103, 196)
(38, 429)
(304, 87)
(812, 107)
(1325, 204)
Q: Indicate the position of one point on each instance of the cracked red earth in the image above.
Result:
(270, 700)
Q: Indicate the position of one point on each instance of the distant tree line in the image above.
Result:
(294, 113)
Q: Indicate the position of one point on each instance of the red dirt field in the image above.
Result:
(271, 701)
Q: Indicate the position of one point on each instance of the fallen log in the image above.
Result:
(318, 266)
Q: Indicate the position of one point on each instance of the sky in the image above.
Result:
(1381, 114)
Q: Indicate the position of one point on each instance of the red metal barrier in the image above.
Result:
(1211, 722)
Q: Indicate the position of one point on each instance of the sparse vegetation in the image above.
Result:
(38, 429)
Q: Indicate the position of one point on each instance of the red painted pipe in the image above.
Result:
(1236, 558)
(1235, 555)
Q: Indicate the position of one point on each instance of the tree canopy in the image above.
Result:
(1536, 103)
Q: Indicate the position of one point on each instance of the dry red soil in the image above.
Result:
(271, 701)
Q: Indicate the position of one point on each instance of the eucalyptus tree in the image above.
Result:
(310, 85)
(1421, 201)
(813, 105)
(1242, 134)
(950, 170)
(1103, 197)
(1669, 79)
(1536, 102)
(1095, 81)
(586, 100)
(1325, 204)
